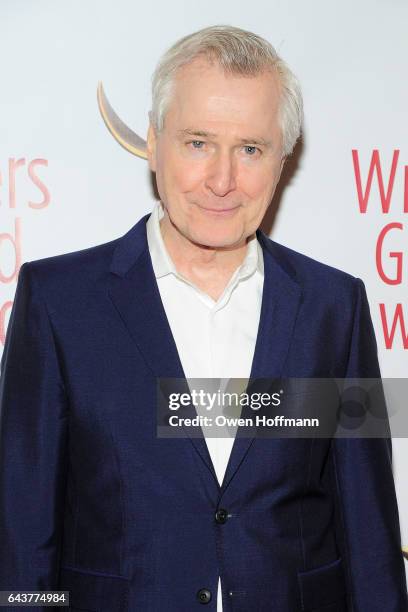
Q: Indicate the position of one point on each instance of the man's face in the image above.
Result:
(218, 157)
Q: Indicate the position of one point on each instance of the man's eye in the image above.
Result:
(250, 149)
(197, 144)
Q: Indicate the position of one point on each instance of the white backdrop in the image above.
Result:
(75, 187)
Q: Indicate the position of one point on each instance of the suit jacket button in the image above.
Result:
(221, 516)
(204, 596)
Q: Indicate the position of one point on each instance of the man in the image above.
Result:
(92, 501)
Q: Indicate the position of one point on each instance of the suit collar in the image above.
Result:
(134, 242)
(129, 248)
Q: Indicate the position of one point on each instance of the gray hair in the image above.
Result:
(238, 52)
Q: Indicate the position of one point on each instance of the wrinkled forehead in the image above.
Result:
(203, 92)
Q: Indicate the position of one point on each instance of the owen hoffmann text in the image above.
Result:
(258, 420)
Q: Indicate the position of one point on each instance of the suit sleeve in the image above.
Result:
(33, 434)
(366, 493)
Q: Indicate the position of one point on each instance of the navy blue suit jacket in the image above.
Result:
(94, 503)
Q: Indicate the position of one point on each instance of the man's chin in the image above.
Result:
(210, 240)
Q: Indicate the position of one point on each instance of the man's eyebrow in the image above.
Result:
(193, 132)
(204, 134)
(256, 141)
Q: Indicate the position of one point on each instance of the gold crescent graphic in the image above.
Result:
(126, 137)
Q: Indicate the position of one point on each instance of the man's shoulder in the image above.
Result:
(70, 279)
(309, 273)
(94, 262)
(302, 266)
(89, 262)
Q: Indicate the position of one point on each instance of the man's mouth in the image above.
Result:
(224, 211)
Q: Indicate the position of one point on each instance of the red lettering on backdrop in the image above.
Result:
(398, 318)
(38, 183)
(16, 242)
(14, 238)
(394, 254)
(13, 165)
(375, 164)
(6, 306)
(363, 196)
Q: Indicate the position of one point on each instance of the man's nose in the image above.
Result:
(221, 175)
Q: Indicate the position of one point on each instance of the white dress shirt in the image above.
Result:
(214, 339)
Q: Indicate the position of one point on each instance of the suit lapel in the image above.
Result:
(134, 292)
(280, 303)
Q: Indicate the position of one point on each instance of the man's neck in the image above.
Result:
(208, 268)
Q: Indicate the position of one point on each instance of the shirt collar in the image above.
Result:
(163, 264)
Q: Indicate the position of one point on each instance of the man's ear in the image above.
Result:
(151, 147)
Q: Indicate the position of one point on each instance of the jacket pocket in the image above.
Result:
(323, 586)
(95, 591)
